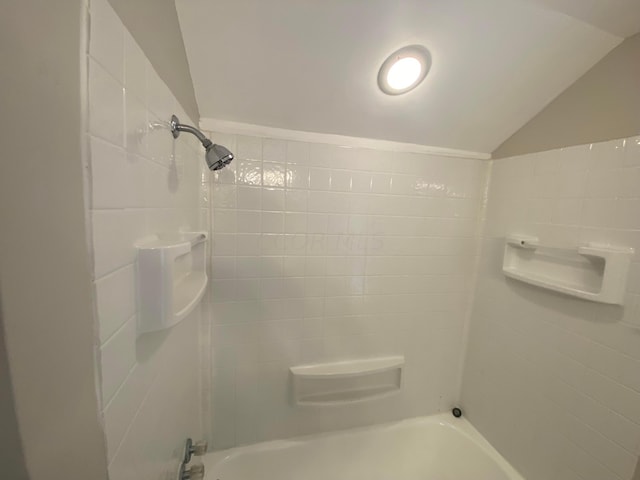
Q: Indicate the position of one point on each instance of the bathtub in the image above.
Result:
(438, 447)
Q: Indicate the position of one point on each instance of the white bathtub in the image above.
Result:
(438, 447)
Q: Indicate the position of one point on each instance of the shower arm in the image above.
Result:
(177, 127)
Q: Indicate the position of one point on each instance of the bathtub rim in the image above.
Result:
(460, 425)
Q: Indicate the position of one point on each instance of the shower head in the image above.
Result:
(217, 156)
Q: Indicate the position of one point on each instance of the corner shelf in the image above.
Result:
(594, 272)
(171, 278)
(346, 382)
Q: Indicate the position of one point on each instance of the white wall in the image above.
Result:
(324, 253)
(553, 382)
(48, 368)
(12, 457)
(601, 105)
(141, 182)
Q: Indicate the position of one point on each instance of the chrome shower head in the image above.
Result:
(217, 156)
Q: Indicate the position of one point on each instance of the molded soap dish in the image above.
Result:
(172, 278)
(593, 272)
(346, 382)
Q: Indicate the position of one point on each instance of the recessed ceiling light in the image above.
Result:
(404, 69)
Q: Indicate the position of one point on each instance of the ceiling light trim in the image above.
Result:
(238, 128)
(417, 52)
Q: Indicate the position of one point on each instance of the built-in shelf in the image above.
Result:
(592, 272)
(346, 382)
(171, 278)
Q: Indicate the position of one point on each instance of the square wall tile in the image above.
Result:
(249, 148)
(274, 150)
(249, 198)
(118, 356)
(273, 199)
(106, 103)
(114, 235)
(116, 300)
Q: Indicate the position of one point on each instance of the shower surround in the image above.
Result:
(140, 182)
(553, 382)
(325, 253)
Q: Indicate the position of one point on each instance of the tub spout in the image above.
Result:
(194, 472)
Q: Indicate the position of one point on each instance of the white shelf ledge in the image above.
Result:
(594, 272)
(347, 381)
(348, 368)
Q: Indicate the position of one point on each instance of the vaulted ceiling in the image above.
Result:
(312, 65)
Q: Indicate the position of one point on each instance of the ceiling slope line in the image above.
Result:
(620, 18)
(226, 126)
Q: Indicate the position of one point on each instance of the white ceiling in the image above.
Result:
(311, 65)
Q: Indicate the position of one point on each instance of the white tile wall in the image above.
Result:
(142, 182)
(553, 381)
(325, 253)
